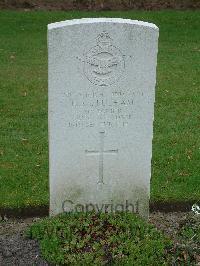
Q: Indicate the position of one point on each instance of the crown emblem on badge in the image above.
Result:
(104, 39)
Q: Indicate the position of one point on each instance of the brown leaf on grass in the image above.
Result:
(183, 173)
(185, 255)
(197, 258)
(7, 165)
(24, 141)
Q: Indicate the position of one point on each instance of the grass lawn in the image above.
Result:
(23, 105)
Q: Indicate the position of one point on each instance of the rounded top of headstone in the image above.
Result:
(100, 20)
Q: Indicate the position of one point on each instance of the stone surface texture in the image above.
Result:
(102, 75)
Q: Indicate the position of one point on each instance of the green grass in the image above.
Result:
(104, 239)
(23, 105)
(115, 239)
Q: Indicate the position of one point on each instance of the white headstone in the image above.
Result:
(102, 75)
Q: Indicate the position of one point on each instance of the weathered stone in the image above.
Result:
(102, 75)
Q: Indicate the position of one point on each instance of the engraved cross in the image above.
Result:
(101, 153)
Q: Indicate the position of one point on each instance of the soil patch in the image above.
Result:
(15, 248)
(98, 5)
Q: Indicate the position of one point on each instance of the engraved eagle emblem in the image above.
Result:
(103, 63)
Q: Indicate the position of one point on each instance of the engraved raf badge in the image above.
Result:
(104, 63)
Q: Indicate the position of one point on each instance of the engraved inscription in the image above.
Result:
(104, 63)
(113, 109)
(101, 153)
